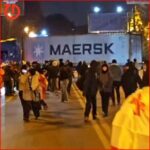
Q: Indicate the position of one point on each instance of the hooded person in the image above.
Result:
(106, 83)
(130, 80)
(90, 89)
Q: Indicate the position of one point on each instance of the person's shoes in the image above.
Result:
(95, 118)
(45, 107)
(105, 115)
(113, 104)
(36, 118)
(26, 120)
(86, 119)
(63, 101)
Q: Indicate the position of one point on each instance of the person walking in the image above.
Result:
(21, 82)
(145, 78)
(8, 81)
(90, 89)
(25, 94)
(30, 84)
(106, 83)
(43, 83)
(130, 80)
(70, 73)
(34, 84)
(116, 74)
(64, 82)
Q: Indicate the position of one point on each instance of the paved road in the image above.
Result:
(61, 126)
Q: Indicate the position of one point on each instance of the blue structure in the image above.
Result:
(10, 51)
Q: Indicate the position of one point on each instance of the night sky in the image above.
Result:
(77, 11)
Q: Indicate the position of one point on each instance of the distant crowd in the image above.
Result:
(32, 80)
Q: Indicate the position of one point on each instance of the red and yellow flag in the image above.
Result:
(131, 124)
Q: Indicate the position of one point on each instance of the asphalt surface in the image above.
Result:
(62, 126)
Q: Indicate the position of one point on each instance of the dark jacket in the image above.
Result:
(53, 72)
(130, 79)
(106, 82)
(145, 80)
(64, 74)
(90, 83)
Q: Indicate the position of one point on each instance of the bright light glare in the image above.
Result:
(96, 9)
(32, 34)
(119, 9)
(2, 91)
(26, 29)
(9, 14)
(44, 33)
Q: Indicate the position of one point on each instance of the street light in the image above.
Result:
(96, 9)
(119, 9)
(9, 14)
(32, 34)
(26, 29)
(44, 33)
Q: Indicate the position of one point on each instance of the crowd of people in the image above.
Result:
(32, 80)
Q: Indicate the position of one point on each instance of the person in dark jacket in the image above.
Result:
(64, 82)
(78, 67)
(70, 74)
(8, 81)
(130, 80)
(106, 83)
(53, 71)
(90, 90)
(84, 68)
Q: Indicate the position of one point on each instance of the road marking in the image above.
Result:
(5, 100)
(96, 127)
(104, 126)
